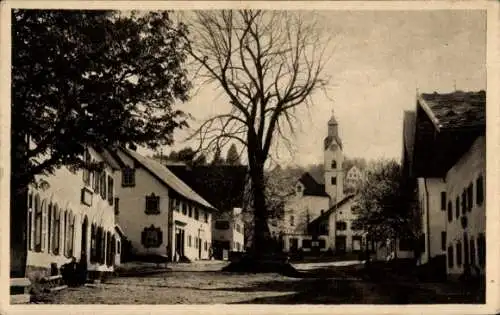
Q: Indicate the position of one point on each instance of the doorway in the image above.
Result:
(340, 244)
(179, 243)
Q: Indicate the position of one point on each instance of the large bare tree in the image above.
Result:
(267, 64)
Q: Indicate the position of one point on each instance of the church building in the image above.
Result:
(319, 216)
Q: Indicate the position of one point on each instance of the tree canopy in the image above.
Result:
(232, 157)
(267, 63)
(92, 78)
(381, 204)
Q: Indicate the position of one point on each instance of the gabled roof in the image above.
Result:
(333, 208)
(164, 175)
(311, 186)
(222, 185)
(455, 110)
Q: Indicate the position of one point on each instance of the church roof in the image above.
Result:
(311, 186)
(333, 208)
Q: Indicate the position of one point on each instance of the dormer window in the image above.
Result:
(299, 189)
(334, 164)
(128, 177)
(152, 204)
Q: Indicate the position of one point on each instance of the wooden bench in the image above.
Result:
(19, 290)
(53, 283)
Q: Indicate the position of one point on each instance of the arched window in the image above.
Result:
(45, 222)
(70, 230)
(65, 234)
(38, 224)
(56, 234)
(93, 243)
(334, 164)
(30, 226)
(50, 223)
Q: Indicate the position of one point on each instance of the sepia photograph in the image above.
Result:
(246, 155)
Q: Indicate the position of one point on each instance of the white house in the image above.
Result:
(158, 212)
(444, 154)
(71, 215)
(353, 178)
(228, 232)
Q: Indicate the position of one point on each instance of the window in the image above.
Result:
(189, 240)
(86, 171)
(356, 226)
(450, 256)
(470, 197)
(457, 207)
(117, 206)
(206, 217)
(459, 253)
(322, 243)
(481, 250)
(102, 190)
(118, 246)
(472, 246)
(110, 190)
(184, 208)
(443, 240)
(152, 204)
(334, 164)
(443, 200)
(206, 246)
(196, 214)
(93, 243)
(292, 220)
(405, 244)
(356, 243)
(56, 234)
(341, 225)
(464, 202)
(128, 177)
(196, 242)
(152, 237)
(50, 219)
(479, 190)
(38, 224)
(299, 189)
(177, 205)
(306, 243)
(44, 226)
(69, 234)
(333, 180)
(450, 211)
(222, 225)
(323, 228)
(190, 209)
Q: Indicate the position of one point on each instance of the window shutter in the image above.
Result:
(160, 237)
(44, 226)
(143, 237)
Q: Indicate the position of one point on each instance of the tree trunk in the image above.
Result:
(18, 210)
(261, 229)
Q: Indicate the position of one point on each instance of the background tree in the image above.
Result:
(217, 158)
(233, 158)
(267, 63)
(381, 203)
(96, 78)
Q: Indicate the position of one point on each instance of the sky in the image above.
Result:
(380, 60)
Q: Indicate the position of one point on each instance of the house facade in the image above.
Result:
(445, 156)
(353, 179)
(158, 212)
(223, 186)
(71, 214)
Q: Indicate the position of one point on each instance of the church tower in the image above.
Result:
(334, 157)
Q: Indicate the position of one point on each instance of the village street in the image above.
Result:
(203, 283)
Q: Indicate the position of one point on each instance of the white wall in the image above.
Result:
(132, 217)
(334, 191)
(344, 213)
(465, 172)
(429, 196)
(64, 190)
(298, 207)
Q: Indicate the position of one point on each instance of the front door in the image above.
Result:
(199, 248)
(340, 244)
